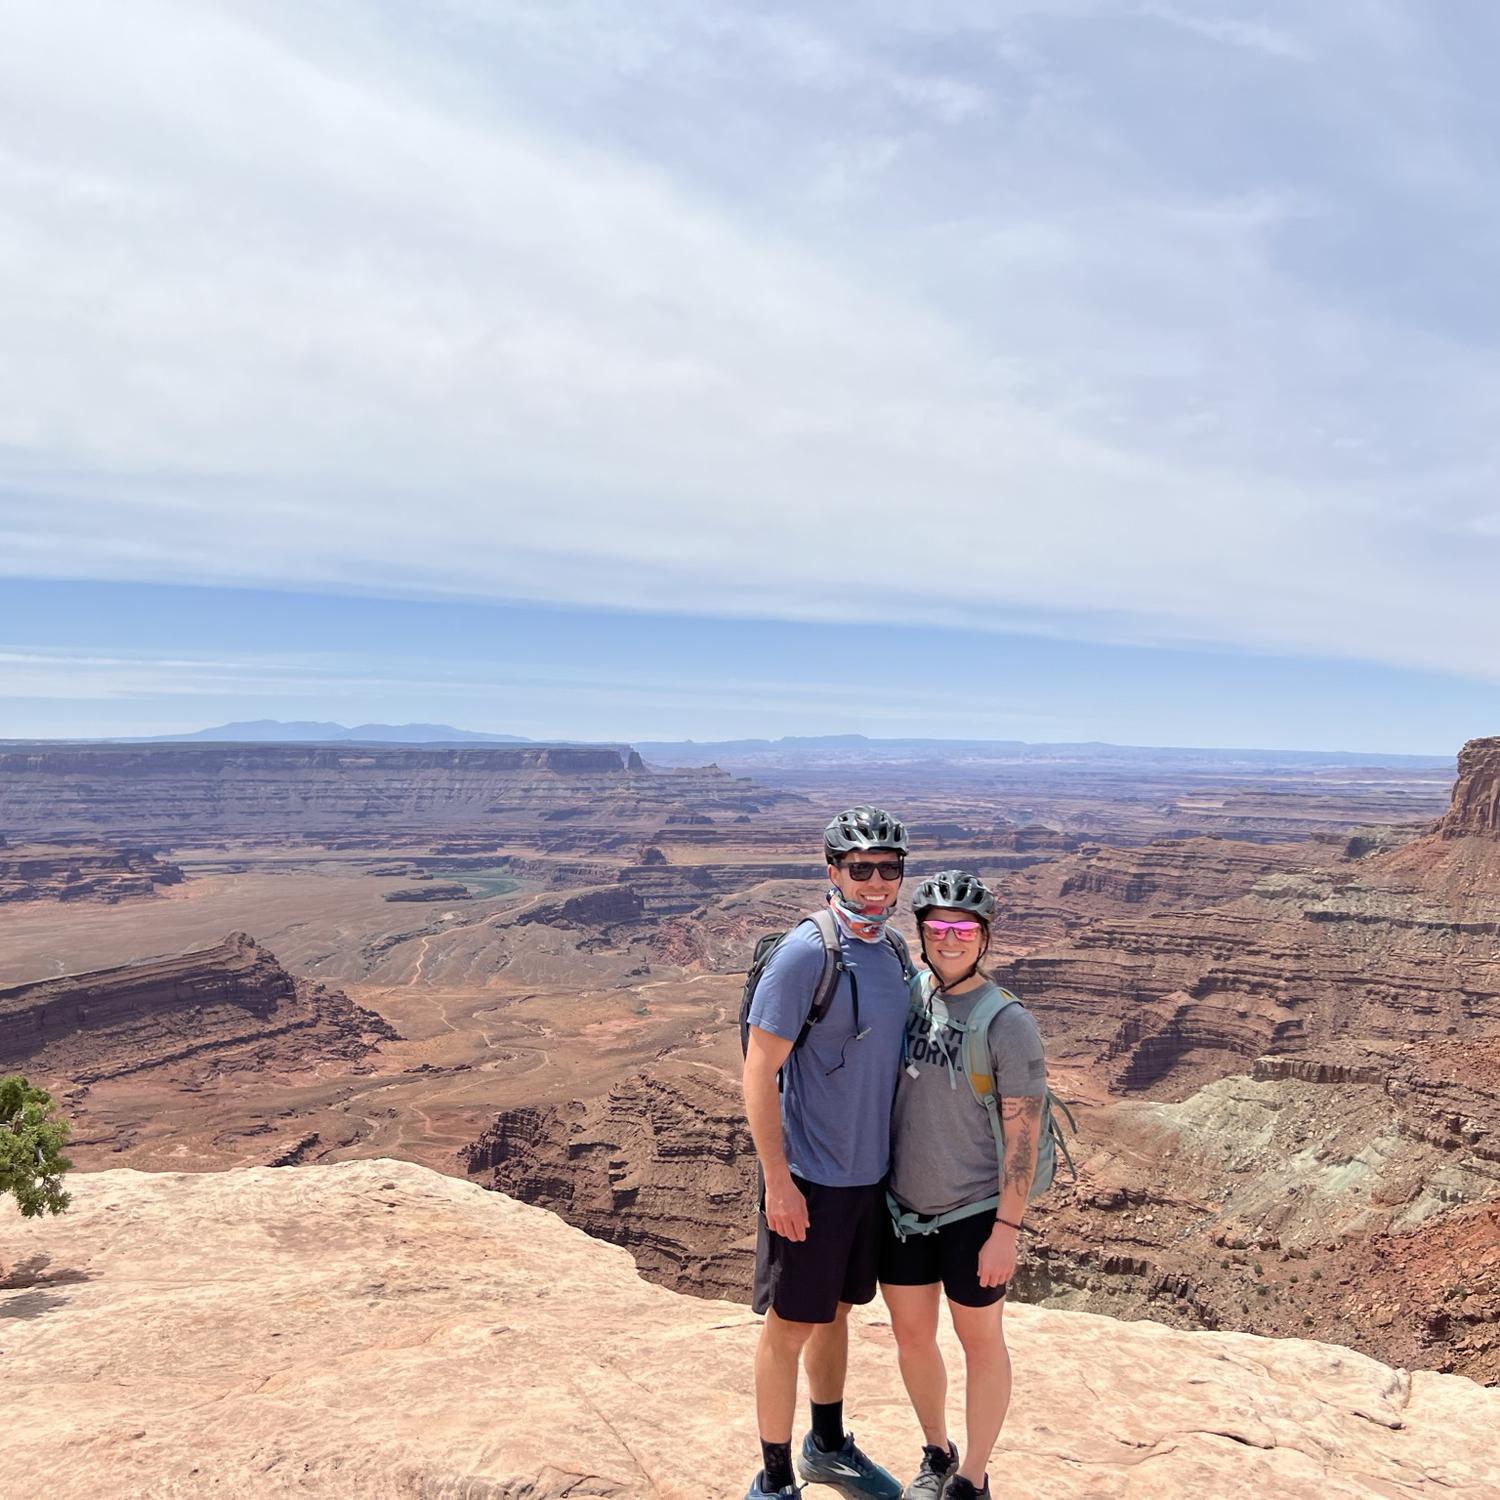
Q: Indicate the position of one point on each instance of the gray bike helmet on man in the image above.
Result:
(861, 828)
(955, 890)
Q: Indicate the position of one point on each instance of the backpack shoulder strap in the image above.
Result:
(833, 965)
(977, 1066)
(977, 1042)
(902, 952)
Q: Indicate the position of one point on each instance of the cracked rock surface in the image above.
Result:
(376, 1329)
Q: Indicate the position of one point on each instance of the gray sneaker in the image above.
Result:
(937, 1464)
(956, 1487)
(848, 1471)
(756, 1492)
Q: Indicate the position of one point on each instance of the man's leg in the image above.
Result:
(829, 1454)
(776, 1356)
(914, 1321)
(827, 1358)
(981, 1330)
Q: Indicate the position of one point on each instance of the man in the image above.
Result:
(824, 1148)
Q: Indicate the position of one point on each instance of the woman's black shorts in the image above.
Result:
(949, 1255)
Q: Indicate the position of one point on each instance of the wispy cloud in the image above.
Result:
(1230, 31)
(1016, 315)
(541, 699)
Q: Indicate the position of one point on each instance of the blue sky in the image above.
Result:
(180, 658)
(647, 371)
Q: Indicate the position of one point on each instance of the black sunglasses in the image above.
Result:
(863, 869)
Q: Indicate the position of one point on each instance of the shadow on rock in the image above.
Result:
(31, 1305)
(33, 1272)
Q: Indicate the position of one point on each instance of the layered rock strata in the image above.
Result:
(1328, 1022)
(43, 872)
(228, 1006)
(1326, 954)
(663, 1165)
(1475, 811)
(1097, 881)
(559, 797)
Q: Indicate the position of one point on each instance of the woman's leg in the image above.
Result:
(914, 1321)
(981, 1331)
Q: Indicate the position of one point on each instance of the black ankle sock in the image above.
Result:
(828, 1425)
(776, 1466)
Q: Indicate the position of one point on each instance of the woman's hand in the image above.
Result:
(997, 1260)
(786, 1208)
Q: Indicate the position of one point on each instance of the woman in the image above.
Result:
(957, 1209)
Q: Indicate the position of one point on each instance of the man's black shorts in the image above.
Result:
(949, 1255)
(805, 1280)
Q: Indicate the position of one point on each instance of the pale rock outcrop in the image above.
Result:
(373, 1329)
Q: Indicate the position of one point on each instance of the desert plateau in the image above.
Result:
(1271, 993)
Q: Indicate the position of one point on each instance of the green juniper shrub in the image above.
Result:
(31, 1148)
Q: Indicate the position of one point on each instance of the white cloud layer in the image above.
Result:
(1127, 321)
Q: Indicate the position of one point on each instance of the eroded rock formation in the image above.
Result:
(437, 890)
(663, 1165)
(224, 1007)
(1320, 958)
(604, 906)
(1317, 1027)
(1476, 798)
(43, 872)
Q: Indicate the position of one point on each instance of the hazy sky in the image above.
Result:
(1153, 345)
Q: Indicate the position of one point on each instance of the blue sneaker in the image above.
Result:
(847, 1470)
(756, 1492)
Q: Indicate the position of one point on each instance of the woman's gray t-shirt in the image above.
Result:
(943, 1151)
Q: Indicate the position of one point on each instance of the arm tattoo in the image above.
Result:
(1023, 1117)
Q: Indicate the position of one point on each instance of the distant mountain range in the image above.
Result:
(840, 747)
(790, 749)
(299, 731)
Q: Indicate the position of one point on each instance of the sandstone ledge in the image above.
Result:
(375, 1329)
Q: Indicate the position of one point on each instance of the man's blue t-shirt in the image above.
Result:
(836, 1120)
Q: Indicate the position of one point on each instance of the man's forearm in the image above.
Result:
(1022, 1119)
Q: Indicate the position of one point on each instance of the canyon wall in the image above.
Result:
(1476, 798)
(40, 872)
(231, 1005)
(663, 1165)
(552, 797)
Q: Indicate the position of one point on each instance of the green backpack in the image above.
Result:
(982, 1083)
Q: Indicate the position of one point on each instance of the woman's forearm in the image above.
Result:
(1022, 1119)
